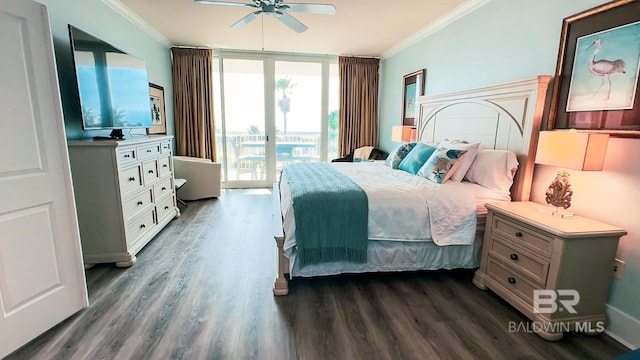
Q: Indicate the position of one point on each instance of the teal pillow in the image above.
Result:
(416, 158)
(396, 156)
(441, 165)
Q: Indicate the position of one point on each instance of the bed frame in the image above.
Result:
(504, 116)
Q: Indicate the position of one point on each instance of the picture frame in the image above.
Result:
(413, 86)
(596, 85)
(158, 116)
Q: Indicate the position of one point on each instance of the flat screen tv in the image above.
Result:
(113, 85)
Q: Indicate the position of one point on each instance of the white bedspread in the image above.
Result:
(399, 206)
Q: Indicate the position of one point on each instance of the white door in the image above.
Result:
(41, 272)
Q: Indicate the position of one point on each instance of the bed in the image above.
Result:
(500, 117)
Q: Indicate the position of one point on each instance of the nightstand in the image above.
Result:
(556, 271)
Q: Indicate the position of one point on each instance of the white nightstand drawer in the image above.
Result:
(522, 235)
(516, 283)
(536, 269)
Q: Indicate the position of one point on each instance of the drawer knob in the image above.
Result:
(164, 188)
(166, 208)
(149, 150)
(127, 155)
(143, 226)
(132, 179)
(511, 280)
(140, 203)
(513, 257)
(165, 165)
(150, 171)
(519, 234)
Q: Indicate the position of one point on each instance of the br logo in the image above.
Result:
(546, 301)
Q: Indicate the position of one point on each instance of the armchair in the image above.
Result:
(202, 175)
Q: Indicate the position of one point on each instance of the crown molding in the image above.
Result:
(465, 8)
(137, 21)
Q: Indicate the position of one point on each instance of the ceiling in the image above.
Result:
(359, 27)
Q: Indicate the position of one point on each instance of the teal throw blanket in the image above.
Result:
(331, 214)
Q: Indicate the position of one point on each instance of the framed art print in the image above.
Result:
(413, 86)
(596, 83)
(158, 117)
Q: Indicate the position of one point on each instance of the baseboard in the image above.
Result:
(622, 327)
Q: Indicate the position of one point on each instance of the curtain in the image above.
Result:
(193, 102)
(358, 103)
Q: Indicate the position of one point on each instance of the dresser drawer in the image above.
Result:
(165, 207)
(164, 166)
(150, 171)
(139, 226)
(165, 148)
(137, 203)
(523, 235)
(127, 155)
(162, 188)
(510, 279)
(131, 179)
(536, 269)
(148, 151)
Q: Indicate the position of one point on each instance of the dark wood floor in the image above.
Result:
(202, 290)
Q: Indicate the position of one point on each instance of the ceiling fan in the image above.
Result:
(278, 9)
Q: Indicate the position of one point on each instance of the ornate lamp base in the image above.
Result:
(559, 193)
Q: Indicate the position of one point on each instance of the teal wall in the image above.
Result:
(506, 40)
(501, 41)
(98, 19)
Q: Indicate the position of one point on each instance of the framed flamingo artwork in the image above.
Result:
(596, 86)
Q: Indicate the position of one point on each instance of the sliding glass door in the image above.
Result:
(244, 139)
(298, 104)
(273, 110)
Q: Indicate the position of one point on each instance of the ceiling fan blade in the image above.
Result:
(290, 21)
(245, 20)
(325, 9)
(227, 3)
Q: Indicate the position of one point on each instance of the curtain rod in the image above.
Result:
(192, 47)
(362, 56)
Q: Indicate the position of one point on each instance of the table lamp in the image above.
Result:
(569, 149)
(403, 133)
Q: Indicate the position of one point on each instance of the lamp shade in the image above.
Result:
(403, 133)
(572, 149)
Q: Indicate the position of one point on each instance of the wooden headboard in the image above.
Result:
(503, 116)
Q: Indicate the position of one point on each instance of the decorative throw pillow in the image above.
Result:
(466, 160)
(441, 165)
(396, 156)
(416, 158)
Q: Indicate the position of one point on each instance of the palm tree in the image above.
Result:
(284, 85)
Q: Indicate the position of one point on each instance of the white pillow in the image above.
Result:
(494, 169)
(466, 160)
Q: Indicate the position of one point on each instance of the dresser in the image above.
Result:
(526, 250)
(125, 195)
